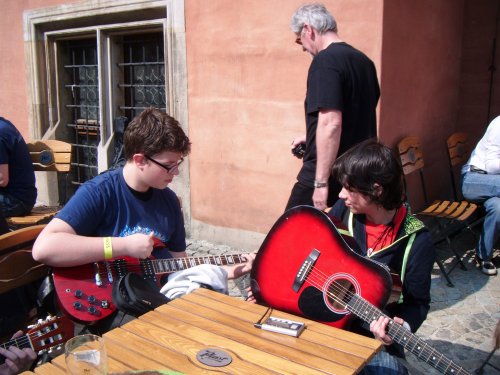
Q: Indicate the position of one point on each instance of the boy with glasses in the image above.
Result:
(129, 211)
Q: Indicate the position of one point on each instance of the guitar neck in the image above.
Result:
(164, 266)
(21, 342)
(367, 312)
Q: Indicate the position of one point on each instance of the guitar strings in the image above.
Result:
(20, 341)
(29, 339)
(317, 279)
(175, 264)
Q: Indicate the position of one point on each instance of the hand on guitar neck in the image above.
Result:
(17, 355)
(379, 328)
(16, 359)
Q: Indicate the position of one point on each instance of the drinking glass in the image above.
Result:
(86, 355)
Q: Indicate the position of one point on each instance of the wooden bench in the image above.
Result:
(46, 156)
(17, 266)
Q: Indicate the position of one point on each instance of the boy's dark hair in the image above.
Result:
(368, 164)
(152, 132)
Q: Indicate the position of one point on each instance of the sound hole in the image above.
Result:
(340, 292)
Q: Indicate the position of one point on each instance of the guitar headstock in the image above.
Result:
(50, 332)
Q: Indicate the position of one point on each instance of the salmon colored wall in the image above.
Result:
(13, 96)
(246, 86)
(420, 82)
(478, 44)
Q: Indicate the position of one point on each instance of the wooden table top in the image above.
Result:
(170, 337)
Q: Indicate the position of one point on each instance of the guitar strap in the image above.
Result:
(405, 260)
(351, 223)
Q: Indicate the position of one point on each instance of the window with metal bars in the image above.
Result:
(141, 84)
(144, 74)
(82, 84)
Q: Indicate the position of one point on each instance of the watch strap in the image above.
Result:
(318, 184)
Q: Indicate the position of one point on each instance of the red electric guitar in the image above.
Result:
(45, 335)
(305, 267)
(84, 292)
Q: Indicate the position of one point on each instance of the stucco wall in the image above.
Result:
(420, 83)
(13, 96)
(476, 78)
(246, 86)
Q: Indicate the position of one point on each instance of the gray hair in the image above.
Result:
(315, 15)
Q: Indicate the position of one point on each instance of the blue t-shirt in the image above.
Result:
(106, 206)
(15, 153)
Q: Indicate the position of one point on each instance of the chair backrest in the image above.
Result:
(412, 159)
(458, 154)
(50, 155)
(17, 266)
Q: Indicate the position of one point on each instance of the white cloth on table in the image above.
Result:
(184, 282)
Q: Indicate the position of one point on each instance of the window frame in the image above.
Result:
(104, 20)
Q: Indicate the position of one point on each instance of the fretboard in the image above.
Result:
(19, 342)
(366, 311)
(162, 266)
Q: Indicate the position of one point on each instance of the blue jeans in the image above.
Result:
(485, 188)
(11, 206)
(384, 364)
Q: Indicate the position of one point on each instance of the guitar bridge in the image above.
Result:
(304, 270)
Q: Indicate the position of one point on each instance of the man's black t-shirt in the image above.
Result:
(340, 77)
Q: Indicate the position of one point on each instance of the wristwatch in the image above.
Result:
(318, 184)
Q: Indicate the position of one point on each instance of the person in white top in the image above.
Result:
(481, 183)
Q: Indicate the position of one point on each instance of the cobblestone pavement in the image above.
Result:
(461, 320)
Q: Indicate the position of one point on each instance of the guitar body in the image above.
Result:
(304, 266)
(88, 300)
(68, 281)
(85, 292)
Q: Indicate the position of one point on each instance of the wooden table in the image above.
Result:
(170, 337)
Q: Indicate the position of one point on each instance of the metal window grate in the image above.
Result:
(142, 85)
(144, 73)
(82, 86)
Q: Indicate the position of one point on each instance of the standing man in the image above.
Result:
(481, 183)
(17, 178)
(342, 94)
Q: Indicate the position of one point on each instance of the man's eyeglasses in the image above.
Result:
(298, 37)
(168, 168)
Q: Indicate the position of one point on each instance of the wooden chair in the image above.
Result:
(19, 270)
(444, 212)
(458, 154)
(17, 266)
(46, 155)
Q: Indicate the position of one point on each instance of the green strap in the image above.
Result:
(405, 260)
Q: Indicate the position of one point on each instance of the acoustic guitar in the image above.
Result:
(305, 267)
(45, 335)
(84, 292)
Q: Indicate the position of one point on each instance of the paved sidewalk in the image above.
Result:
(461, 320)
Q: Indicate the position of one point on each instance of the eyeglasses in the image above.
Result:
(298, 37)
(168, 168)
